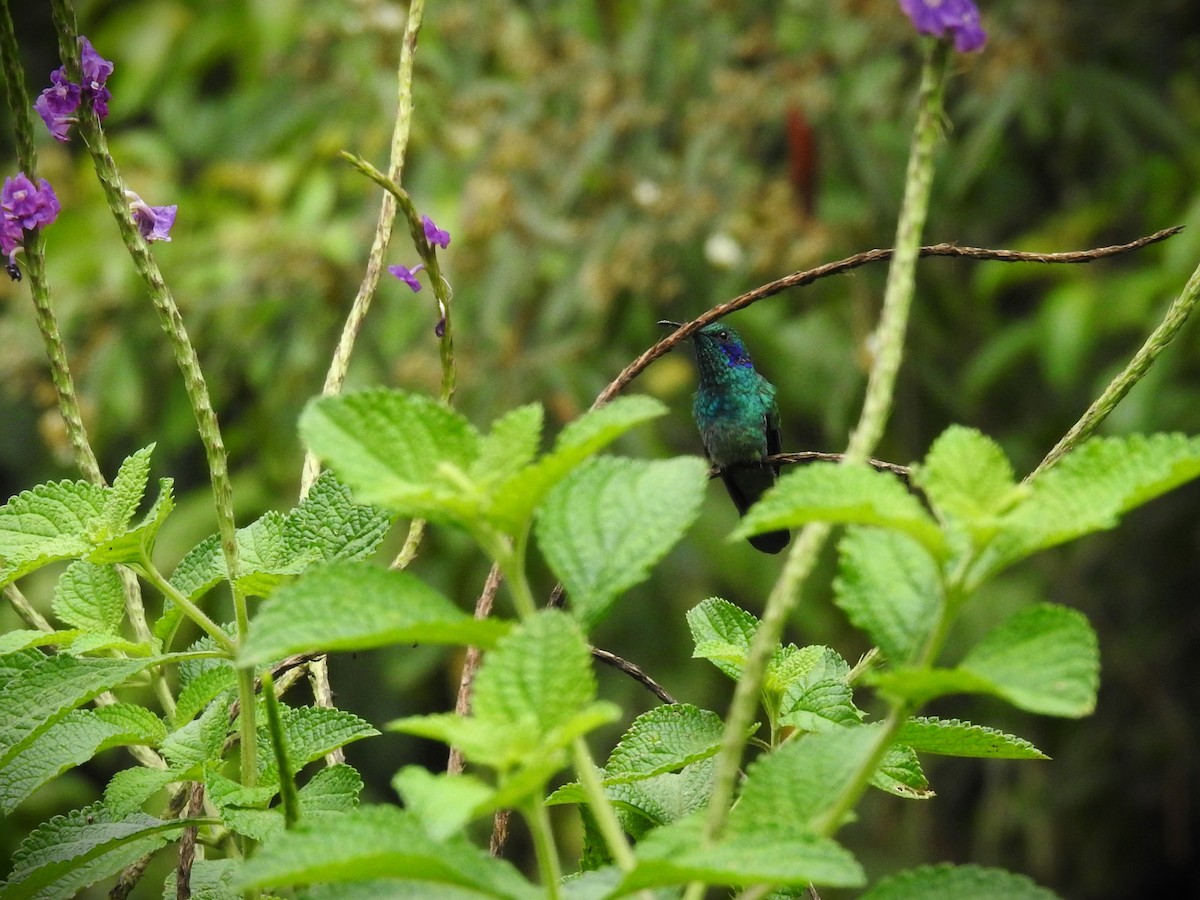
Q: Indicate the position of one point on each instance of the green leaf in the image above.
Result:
(378, 842)
(331, 792)
(794, 785)
(128, 488)
(609, 521)
(675, 854)
(401, 451)
(50, 522)
(511, 445)
(40, 696)
(848, 495)
(650, 802)
(967, 476)
(135, 543)
(815, 696)
(443, 803)
(202, 690)
(310, 732)
(73, 740)
(919, 686)
(354, 606)
(130, 788)
(947, 882)
(1088, 490)
(68, 853)
(516, 498)
(722, 634)
(329, 522)
(212, 879)
(1044, 659)
(951, 737)
(90, 597)
(900, 774)
(27, 638)
(889, 587)
(664, 739)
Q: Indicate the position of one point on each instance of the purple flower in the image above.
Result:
(11, 235)
(435, 235)
(58, 104)
(958, 19)
(407, 275)
(28, 206)
(153, 222)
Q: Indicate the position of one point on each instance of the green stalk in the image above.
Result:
(149, 571)
(340, 363)
(537, 816)
(288, 797)
(1178, 313)
(601, 806)
(877, 403)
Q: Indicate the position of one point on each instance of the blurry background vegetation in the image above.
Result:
(605, 163)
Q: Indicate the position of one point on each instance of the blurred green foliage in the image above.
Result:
(604, 164)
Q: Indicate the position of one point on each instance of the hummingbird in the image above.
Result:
(735, 410)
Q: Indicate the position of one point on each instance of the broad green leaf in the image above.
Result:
(1044, 659)
(794, 786)
(404, 452)
(900, 774)
(354, 606)
(377, 842)
(1088, 490)
(919, 686)
(50, 522)
(722, 634)
(329, 522)
(380, 889)
(951, 737)
(947, 882)
(27, 638)
(329, 793)
(212, 879)
(130, 788)
(202, 690)
(200, 741)
(609, 521)
(90, 597)
(73, 740)
(37, 698)
(846, 495)
(511, 445)
(967, 476)
(664, 739)
(68, 853)
(817, 695)
(310, 732)
(443, 803)
(675, 854)
(128, 488)
(132, 544)
(515, 499)
(889, 587)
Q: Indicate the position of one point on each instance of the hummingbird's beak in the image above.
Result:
(667, 323)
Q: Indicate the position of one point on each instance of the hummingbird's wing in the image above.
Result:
(774, 444)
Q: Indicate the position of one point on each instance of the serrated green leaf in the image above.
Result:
(132, 544)
(511, 445)
(1044, 659)
(900, 774)
(200, 740)
(28, 638)
(919, 686)
(443, 803)
(202, 690)
(355, 606)
(816, 697)
(50, 522)
(95, 643)
(951, 737)
(211, 879)
(664, 739)
(38, 697)
(609, 521)
(889, 587)
(128, 488)
(310, 732)
(130, 788)
(331, 792)
(947, 882)
(90, 597)
(675, 854)
(382, 889)
(846, 495)
(329, 522)
(967, 476)
(793, 786)
(515, 499)
(68, 853)
(400, 451)
(722, 634)
(71, 741)
(1088, 490)
(376, 842)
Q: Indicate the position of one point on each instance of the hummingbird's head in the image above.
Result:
(718, 349)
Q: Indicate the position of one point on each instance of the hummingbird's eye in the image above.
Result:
(723, 335)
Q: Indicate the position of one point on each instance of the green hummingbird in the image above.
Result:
(735, 410)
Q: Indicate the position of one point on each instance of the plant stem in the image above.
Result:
(538, 818)
(287, 781)
(149, 571)
(601, 806)
(340, 363)
(1178, 313)
(881, 382)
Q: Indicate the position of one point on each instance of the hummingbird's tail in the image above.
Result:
(746, 483)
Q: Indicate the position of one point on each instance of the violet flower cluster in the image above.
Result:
(955, 19)
(24, 206)
(59, 103)
(437, 237)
